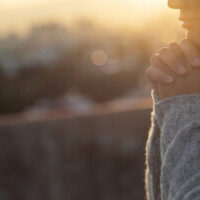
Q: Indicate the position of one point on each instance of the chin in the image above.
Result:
(194, 36)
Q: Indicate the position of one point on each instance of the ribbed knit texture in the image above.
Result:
(173, 149)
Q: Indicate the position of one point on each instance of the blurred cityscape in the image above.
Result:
(76, 67)
(75, 107)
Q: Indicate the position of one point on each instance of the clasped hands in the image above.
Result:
(175, 70)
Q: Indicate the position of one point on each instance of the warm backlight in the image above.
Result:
(20, 14)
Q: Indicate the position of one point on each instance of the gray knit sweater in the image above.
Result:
(173, 149)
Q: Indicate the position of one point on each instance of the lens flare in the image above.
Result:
(99, 57)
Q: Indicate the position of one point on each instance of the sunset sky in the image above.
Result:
(18, 15)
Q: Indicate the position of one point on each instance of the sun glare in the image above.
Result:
(20, 14)
(16, 2)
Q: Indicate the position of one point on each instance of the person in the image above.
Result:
(173, 145)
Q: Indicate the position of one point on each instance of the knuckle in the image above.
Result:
(148, 73)
(173, 45)
(189, 49)
(152, 74)
(148, 70)
(184, 42)
(153, 58)
(168, 56)
(163, 52)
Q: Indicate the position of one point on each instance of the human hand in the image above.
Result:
(176, 70)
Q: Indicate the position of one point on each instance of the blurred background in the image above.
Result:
(74, 101)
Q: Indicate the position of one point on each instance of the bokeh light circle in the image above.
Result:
(99, 57)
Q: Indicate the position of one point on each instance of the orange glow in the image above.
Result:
(19, 15)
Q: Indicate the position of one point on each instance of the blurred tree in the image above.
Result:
(52, 59)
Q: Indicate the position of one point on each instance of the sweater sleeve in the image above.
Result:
(153, 163)
(178, 119)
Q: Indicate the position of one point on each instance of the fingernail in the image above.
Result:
(181, 70)
(168, 79)
(196, 62)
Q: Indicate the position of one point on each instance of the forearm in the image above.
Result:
(179, 121)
